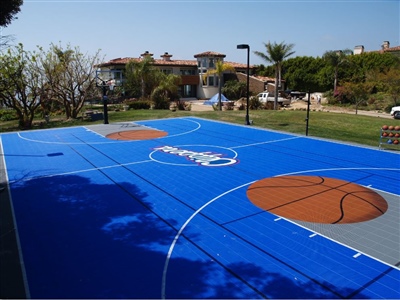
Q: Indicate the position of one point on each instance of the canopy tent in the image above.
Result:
(214, 99)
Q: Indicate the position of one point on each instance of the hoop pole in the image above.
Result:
(105, 108)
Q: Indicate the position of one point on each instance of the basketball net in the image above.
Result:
(111, 84)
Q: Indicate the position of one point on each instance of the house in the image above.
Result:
(194, 84)
(385, 48)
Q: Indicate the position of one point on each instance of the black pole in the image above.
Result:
(308, 112)
(105, 108)
(248, 86)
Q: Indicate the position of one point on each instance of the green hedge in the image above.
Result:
(139, 104)
(7, 115)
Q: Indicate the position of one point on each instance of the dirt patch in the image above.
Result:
(302, 105)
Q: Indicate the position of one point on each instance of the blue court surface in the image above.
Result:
(170, 217)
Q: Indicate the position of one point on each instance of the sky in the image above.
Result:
(184, 28)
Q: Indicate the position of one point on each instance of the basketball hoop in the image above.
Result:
(107, 79)
(111, 84)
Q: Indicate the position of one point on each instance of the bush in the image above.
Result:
(159, 99)
(254, 103)
(7, 115)
(182, 105)
(137, 104)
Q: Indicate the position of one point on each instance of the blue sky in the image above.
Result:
(184, 28)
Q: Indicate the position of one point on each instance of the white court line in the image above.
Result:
(177, 236)
(18, 241)
(81, 171)
(266, 142)
(108, 142)
(171, 248)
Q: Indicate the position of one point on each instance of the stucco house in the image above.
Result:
(192, 73)
(385, 48)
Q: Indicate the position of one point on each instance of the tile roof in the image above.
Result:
(164, 62)
(210, 53)
(392, 49)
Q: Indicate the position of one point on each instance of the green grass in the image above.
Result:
(350, 128)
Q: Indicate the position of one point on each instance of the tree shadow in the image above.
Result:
(80, 239)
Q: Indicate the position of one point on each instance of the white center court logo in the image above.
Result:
(208, 159)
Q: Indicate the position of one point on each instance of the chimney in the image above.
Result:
(358, 49)
(385, 45)
(146, 53)
(166, 56)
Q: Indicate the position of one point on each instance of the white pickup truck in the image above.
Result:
(265, 97)
(395, 112)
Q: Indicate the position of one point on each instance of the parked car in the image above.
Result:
(265, 97)
(296, 94)
(395, 112)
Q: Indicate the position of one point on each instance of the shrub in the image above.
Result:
(7, 115)
(159, 99)
(137, 104)
(254, 103)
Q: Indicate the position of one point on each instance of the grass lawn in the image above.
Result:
(351, 128)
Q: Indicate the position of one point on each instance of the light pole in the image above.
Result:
(245, 46)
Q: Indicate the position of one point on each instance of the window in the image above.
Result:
(210, 80)
(189, 91)
(211, 63)
(204, 62)
(187, 72)
(166, 71)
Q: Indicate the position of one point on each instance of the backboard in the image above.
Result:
(108, 78)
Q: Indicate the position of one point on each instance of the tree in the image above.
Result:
(22, 84)
(302, 73)
(390, 83)
(335, 59)
(276, 54)
(357, 93)
(141, 77)
(233, 89)
(9, 8)
(70, 77)
(167, 88)
(220, 68)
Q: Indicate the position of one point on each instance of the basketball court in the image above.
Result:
(193, 208)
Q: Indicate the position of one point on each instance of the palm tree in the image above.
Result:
(220, 68)
(335, 59)
(276, 54)
(167, 85)
(140, 73)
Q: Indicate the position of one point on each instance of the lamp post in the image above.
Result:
(308, 111)
(245, 46)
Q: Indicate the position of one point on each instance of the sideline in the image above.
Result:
(13, 283)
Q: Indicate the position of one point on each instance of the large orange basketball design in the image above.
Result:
(129, 135)
(317, 199)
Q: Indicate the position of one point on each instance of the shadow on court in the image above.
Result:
(82, 237)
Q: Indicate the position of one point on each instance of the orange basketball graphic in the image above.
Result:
(136, 135)
(317, 199)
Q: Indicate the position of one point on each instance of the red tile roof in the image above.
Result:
(164, 62)
(210, 53)
(392, 49)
